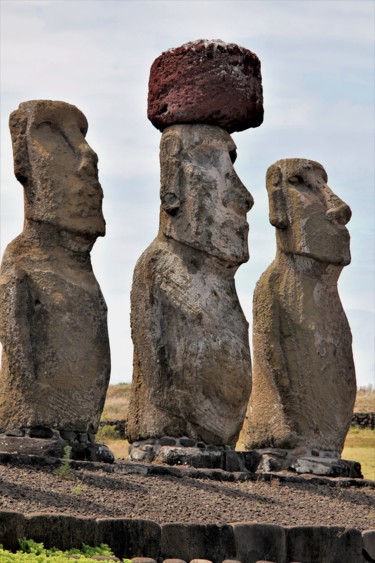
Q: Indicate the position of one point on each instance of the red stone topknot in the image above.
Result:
(206, 81)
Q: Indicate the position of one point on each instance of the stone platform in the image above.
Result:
(311, 461)
(47, 442)
(186, 451)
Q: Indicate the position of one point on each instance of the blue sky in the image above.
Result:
(318, 77)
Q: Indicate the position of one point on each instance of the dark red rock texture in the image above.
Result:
(206, 81)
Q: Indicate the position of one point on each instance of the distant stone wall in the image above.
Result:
(364, 420)
(119, 426)
(245, 543)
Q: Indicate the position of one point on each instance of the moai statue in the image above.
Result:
(55, 360)
(304, 383)
(192, 368)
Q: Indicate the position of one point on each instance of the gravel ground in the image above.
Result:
(166, 499)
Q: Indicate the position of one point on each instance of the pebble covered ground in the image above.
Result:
(167, 499)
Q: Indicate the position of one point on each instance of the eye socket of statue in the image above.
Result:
(295, 180)
(233, 155)
(52, 139)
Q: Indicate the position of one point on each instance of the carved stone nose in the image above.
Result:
(340, 213)
(88, 161)
(243, 193)
(237, 196)
(250, 199)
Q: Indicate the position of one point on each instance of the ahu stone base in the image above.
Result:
(316, 462)
(185, 451)
(45, 442)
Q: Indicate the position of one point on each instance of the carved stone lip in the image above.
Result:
(90, 179)
(339, 226)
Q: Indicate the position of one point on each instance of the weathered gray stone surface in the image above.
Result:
(192, 368)
(257, 541)
(53, 327)
(12, 528)
(236, 542)
(368, 538)
(303, 379)
(196, 455)
(333, 544)
(318, 463)
(206, 81)
(130, 537)
(327, 466)
(193, 541)
(60, 530)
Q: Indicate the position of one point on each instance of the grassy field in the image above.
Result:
(365, 400)
(117, 402)
(359, 445)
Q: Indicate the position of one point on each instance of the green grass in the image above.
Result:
(64, 471)
(33, 552)
(106, 433)
(360, 446)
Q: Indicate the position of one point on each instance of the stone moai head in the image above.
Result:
(199, 93)
(203, 201)
(57, 168)
(310, 219)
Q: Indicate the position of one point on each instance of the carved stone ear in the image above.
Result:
(170, 167)
(276, 197)
(170, 185)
